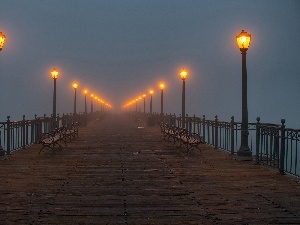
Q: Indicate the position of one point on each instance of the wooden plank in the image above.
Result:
(116, 173)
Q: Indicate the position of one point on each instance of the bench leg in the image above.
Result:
(42, 149)
(44, 146)
(56, 143)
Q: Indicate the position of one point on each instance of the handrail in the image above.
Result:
(271, 144)
(15, 135)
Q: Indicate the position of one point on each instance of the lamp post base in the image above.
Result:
(244, 151)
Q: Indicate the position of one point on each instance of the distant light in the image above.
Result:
(54, 73)
(243, 40)
(2, 40)
(75, 85)
(183, 74)
(85, 91)
(151, 92)
(162, 86)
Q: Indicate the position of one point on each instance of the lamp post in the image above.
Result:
(2, 40)
(183, 75)
(136, 100)
(144, 96)
(92, 96)
(102, 105)
(85, 106)
(162, 86)
(140, 98)
(243, 42)
(95, 98)
(75, 86)
(54, 74)
(151, 93)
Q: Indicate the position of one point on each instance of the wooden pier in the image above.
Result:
(119, 171)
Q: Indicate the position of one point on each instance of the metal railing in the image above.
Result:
(271, 144)
(16, 135)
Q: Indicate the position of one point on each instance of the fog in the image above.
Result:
(120, 49)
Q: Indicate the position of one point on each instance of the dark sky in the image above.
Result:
(120, 49)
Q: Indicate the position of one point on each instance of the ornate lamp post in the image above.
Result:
(183, 75)
(85, 106)
(75, 86)
(2, 40)
(92, 96)
(102, 105)
(140, 98)
(162, 86)
(54, 74)
(144, 96)
(95, 98)
(243, 42)
(136, 100)
(151, 93)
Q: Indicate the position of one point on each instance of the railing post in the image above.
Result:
(232, 135)
(174, 120)
(46, 127)
(63, 121)
(180, 121)
(194, 124)
(203, 132)
(282, 147)
(216, 132)
(57, 120)
(188, 123)
(2, 151)
(8, 136)
(35, 129)
(24, 133)
(257, 140)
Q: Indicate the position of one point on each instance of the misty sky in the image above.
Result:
(120, 49)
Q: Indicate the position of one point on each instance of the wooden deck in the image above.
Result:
(122, 172)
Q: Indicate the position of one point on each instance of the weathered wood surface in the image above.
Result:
(117, 173)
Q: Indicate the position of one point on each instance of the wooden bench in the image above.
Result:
(167, 131)
(181, 136)
(50, 140)
(62, 134)
(69, 132)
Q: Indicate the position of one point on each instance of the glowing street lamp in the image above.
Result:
(54, 74)
(183, 74)
(2, 40)
(92, 110)
(85, 106)
(95, 98)
(136, 100)
(243, 42)
(162, 86)
(102, 105)
(140, 98)
(75, 86)
(151, 93)
(144, 96)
